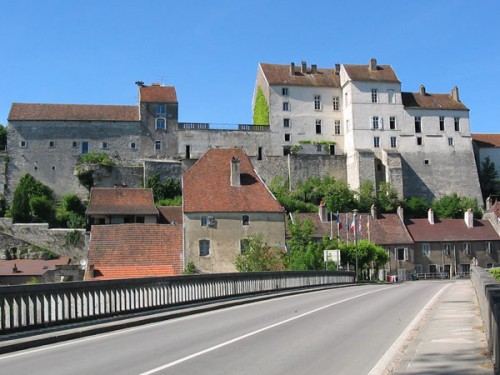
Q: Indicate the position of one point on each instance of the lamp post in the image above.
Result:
(355, 219)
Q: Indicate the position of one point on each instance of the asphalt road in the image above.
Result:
(335, 331)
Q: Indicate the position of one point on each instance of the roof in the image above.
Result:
(171, 214)
(207, 188)
(431, 101)
(72, 112)
(30, 267)
(157, 93)
(487, 140)
(121, 201)
(382, 73)
(280, 75)
(387, 229)
(135, 250)
(450, 230)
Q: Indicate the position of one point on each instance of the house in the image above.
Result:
(134, 250)
(224, 203)
(492, 213)
(450, 246)
(121, 205)
(170, 215)
(22, 271)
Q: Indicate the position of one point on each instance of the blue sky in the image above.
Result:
(92, 51)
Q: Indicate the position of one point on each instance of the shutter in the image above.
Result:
(406, 254)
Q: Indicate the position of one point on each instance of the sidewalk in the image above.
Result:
(450, 340)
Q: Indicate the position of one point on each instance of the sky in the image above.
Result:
(93, 51)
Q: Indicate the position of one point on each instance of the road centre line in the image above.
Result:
(236, 339)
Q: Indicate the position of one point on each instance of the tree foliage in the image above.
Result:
(417, 207)
(367, 253)
(453, 207)
(258, 256)
(29, 199)
(488, 178)
(387, 198)
(168, 191)
(3, 137)
(261, 109)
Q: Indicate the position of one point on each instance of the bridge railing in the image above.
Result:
(35, 306)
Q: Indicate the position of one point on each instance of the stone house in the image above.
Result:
(225, 202)
(22, 271)
(450, 246)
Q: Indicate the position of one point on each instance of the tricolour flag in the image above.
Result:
(339, 223)
(353, 225)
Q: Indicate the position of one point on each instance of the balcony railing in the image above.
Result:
(217, 126)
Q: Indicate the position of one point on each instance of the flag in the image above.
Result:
(346, 222)
(359, 224)
(353, 225)
(339, 223)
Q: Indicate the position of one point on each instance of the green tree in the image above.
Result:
(367, 252)
(164, 191)
(258, 256)
(289, 200)
(3, 137)
(21, 209)
(337, 196)
(453, 207)
(417, 207)
(488, 178)
(367, 196)
(261, 109)
(70, 212)
(387, 198)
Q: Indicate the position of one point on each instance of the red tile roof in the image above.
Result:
(135, 250)
(383, 73)
(158, 94)
(171, 214)
(451, 230)
(72, 112)
(280, 75)
(487, 140)
(207, 185)
(431, 101)
(119, 201)
(30, 267)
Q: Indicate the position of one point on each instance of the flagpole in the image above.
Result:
(355, 213)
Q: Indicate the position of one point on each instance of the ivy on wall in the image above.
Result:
(261, 109)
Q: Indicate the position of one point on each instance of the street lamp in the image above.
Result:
(355, 219)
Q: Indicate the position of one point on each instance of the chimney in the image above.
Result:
(401, 214)
(422, 90)
(373, 211)
(372, 65)
(337, 68)
(304, 67)
(292, 68)
(314, 69)
(323, 212)
(235, 172)
(469, 218)
(489, 203)
(430, 216)
(454, 94)
(14, 269)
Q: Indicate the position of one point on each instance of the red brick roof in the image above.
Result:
(383, 73)
(135, 250)
(431, 101)
(30, 267)
(158, 94)
(487, 140)
(450, 230)
(171, 214)
(280, 75)
(119, 201)
(72, 112)
(207, 185)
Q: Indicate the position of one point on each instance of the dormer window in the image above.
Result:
(160, 123)
(161, 109)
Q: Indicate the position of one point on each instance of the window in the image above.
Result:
(203, 221)
(375, 123)
(427, 162)
(286, 122)
(259, 153)
(286, 150)
(74, 144)
(456, 121)
(401, 253)
(466, 248)
(345, 99)
(394, 143)
(160, 123)
(204, 248)
(104, 145)
(332, 149)
(23, 144)
(418, 124)
(133, 145)
(419, 141)
(287, 137)
(244, 244)
(346, 125)
(374, 96)
(441, 124)
(426, 249)
(376, 142)
(336, 102)
(317, 102)
(319, 148)
(161, 109)
(450, 141)
(488, 247)
(489, 265)
(337, 127)
(140, 219)
(446, 249)
(418, 268)
(284, 91)
(85, 147)
(392, 123)
(286, 106)
(157, 145)
(245, 220)
(391, 97)
(318, 126)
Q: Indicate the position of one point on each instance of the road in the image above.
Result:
(336, 331)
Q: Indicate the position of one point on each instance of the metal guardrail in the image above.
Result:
(228, 127)
(34, 306)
